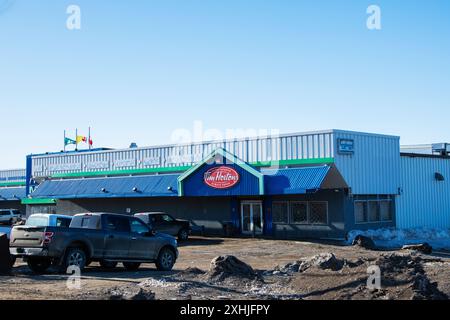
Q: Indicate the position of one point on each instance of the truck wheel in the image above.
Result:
(38, 265)
(166, 259)
(131, 266)
(108, 264)
(75, 257)
(13, 260)
(183, 235)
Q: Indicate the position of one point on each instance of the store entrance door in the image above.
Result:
(252, 217)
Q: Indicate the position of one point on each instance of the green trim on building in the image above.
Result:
(13, 184)
(185, 168)
(293, 162)
(38, 201)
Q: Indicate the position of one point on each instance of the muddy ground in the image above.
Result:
(281, 271)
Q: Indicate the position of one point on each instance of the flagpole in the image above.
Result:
(76, 139)
(64, 140)
(89, 138)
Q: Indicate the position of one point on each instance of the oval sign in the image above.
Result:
(221, 177)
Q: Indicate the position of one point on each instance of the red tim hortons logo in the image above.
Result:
(221, 177)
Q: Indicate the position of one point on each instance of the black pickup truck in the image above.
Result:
(103, 237)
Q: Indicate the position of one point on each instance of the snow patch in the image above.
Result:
(392, 238)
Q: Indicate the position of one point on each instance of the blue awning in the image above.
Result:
(12, 194)
(112, 187)
(294, 180)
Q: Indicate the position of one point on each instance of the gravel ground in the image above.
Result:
(404, 275)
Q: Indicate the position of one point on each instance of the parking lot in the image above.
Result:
(188, 280)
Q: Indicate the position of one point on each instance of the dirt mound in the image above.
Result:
(364, 242)
(324, 261)
(223, 267)
(423, 247)
(407, 268)
(129, 293)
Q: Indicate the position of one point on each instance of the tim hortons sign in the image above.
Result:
(221, 177)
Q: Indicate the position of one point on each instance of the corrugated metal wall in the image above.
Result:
(289, 147)
(16, 175)
(425, 202)
(374, 167)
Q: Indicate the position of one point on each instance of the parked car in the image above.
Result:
(9, 216)
(102, 237)
(7, 230)
(165, 223)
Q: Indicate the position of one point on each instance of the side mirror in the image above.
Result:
(151, 233)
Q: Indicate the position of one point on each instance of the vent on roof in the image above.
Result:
(442, 149)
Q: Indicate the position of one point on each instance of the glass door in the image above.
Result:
(252, 217)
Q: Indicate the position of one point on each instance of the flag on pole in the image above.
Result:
(81, 139)
(68, 141)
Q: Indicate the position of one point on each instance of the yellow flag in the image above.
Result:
(81, 139)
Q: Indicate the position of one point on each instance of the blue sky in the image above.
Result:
(138, 70)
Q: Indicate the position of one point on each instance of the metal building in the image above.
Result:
(314, 184)
(12, 189)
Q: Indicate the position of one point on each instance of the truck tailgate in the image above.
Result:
(27, 237)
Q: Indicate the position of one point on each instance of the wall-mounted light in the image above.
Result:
(135, 189)
(169, 188)
(103, 190)
(439, 177)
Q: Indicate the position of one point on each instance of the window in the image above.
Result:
(167, 218)
(37, 221)
(369, 211)
(118, 224)
(85, 222)
(63, 222)
(318, 212)
(299, 212)
(360, 211)
(385, 210)
(280, 212)
(138, 227)
(372, 211)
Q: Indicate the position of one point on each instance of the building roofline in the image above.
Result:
(423, 155)
(196, 143)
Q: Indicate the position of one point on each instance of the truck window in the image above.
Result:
(63, 222)
(118, 224)
(84, 222)
(167, 218)
(37, 221)
(139, 227)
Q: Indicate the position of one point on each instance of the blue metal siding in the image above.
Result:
(295, 180)
(194, 185)
(15, 175)
(424, 202)
(12, 194)
(147, 186)
(374, 167)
